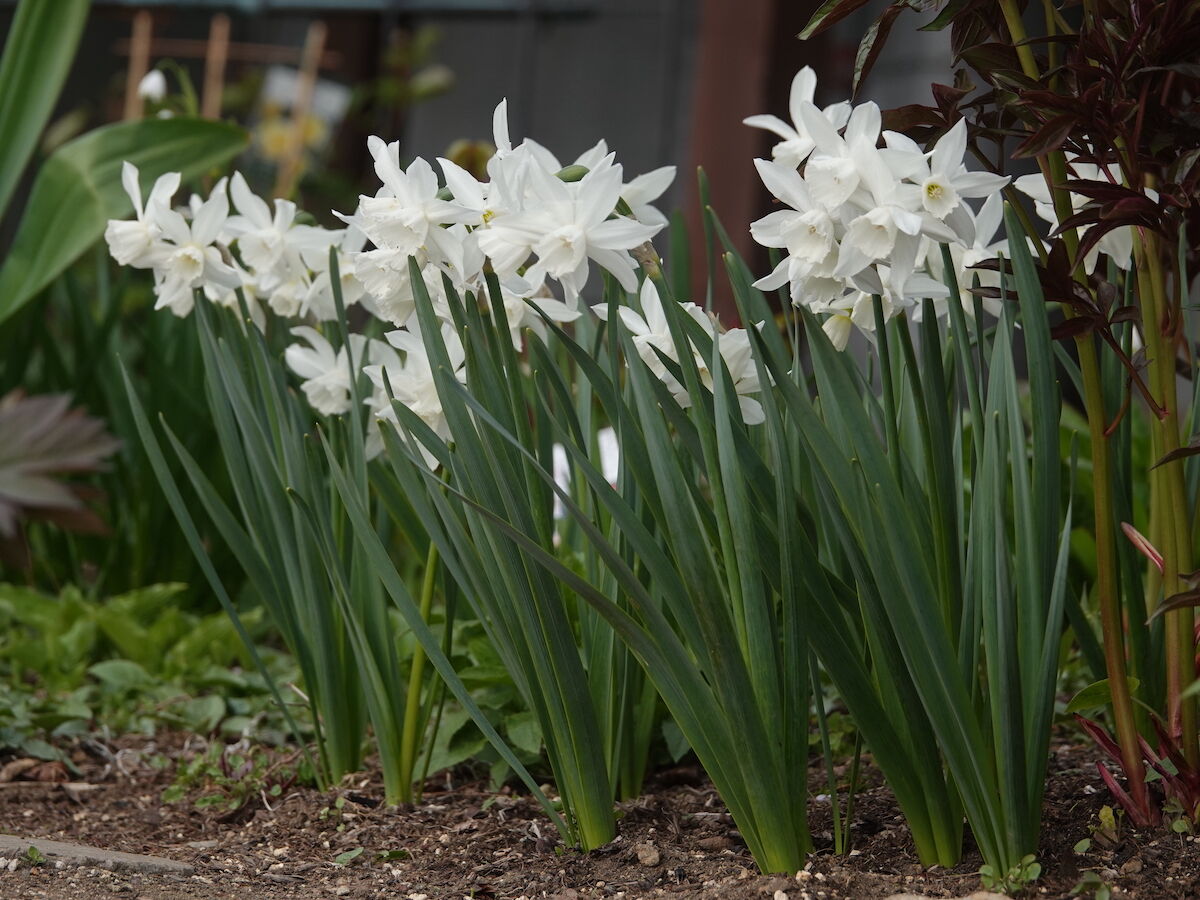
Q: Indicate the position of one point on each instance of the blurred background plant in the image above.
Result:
(133, 663)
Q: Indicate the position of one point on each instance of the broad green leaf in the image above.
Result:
(122, 674)
(79, 189)
(203, 714)
(37, 56)
(1098, 694)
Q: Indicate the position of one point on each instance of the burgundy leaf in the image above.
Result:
(1176, 601)
(1049, 137)
(914, 115)
(1192, 449)
(872, 42)
(1073, 328)
(829, 13)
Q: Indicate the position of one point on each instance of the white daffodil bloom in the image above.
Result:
(522, 308)
(891, 226)
(1116, 244)
(899, 292)
(188, 258)
(856, 310)
(944, 181)
(806, 230)
(319, 300)
(153, 86)
(736, 353)
(566, 225)
(797, 144)
(326, 373)
(271, 244)
(412, 383)
(131, 242)
(404, 216)
(651, 334)
(225, 296)
(639, 193)
(832, 172)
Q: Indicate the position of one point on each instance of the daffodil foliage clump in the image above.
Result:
(640, 502)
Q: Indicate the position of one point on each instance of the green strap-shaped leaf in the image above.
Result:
(79, 189)
(37, 56)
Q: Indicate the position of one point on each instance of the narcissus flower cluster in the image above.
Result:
(864, 208)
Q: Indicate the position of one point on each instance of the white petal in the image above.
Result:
(773, 124)
(948, 151)
(252, 207)
(804, 85)
(785, 183)
(500, 126)
(649, 186)
(129, 179)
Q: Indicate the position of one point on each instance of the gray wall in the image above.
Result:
(621, 73)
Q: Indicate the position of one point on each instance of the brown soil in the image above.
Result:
(676, 841)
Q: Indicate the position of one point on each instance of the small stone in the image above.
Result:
(714, 843)
(1132, 866)
(648, 855)
(780, 895)
(341, 890)
(202, 845)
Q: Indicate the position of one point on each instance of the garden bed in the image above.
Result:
(464, 841)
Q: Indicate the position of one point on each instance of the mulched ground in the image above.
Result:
(675, 841)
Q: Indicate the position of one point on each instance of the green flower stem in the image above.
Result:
(410, 737)
(1111, 623)
(1016, 28)
(1124, 720)
(889, 390)
(1176, 541)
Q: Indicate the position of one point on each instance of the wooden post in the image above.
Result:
(139, 62)
(214, 66)
(306, 82)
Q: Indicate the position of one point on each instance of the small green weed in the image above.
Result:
(1019, 877)
(228, 776)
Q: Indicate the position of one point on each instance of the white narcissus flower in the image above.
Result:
(855, 310)
(269, 243)
(1116, 244)
(319, 301)
(797, 144)
(736, 353)
(326, 373)
(984, 247)
(189, 258)
(524, 309)
(806, 230)
(651, 334)
(944, 181)
(131, 242)
(153, 86)
(565, 225)
(893, 225)
(832, 173)
(404, 216)
(412, 382)
(639, 193)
